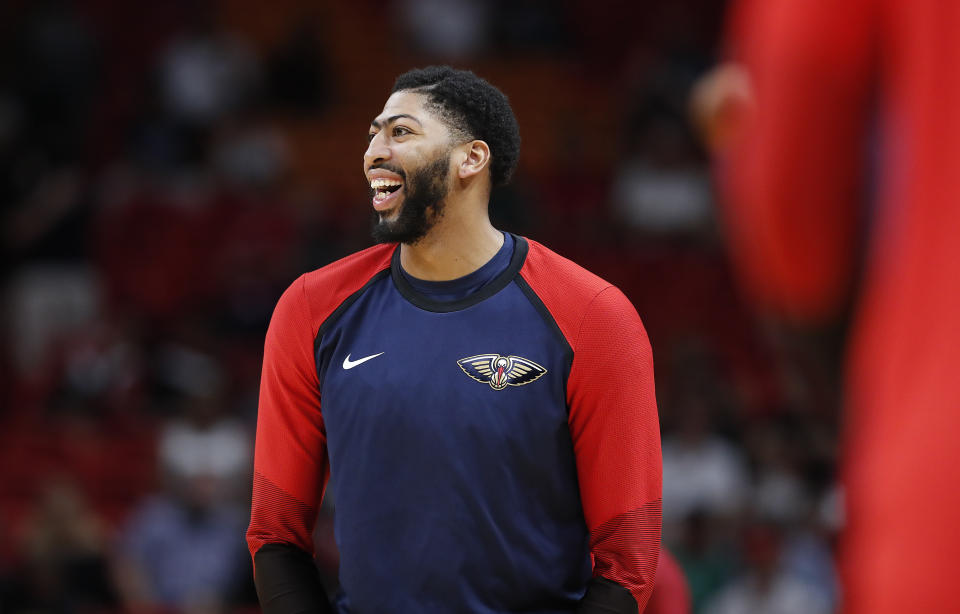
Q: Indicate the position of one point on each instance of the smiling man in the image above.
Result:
(482, 408)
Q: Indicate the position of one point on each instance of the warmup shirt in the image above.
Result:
(823, 73)
(492, 442)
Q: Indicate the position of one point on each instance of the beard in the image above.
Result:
(424, 192)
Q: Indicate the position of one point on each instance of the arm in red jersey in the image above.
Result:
(792, 181)
(616, 439)
(290, 464)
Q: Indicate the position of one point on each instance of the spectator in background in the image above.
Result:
(97, 373)
(808, 557)
(65, 568)
(778, 490)
(706, 555)
(45, 302)
(702, 470)
(785, 494)
(765, 588)
(454, 30)
(661, 186)
(207, 72)
(183, 548)
(206, 446)
(201, 76)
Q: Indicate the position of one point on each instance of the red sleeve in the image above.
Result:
(290, 461)
(793, 182)
(613, 418)
(616, 439)
(291, 468)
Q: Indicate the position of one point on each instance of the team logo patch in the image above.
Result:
(501, 371)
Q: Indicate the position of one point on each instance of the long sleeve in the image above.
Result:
(616, 437)
(290, 463)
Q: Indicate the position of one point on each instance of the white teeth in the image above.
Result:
(382, 183)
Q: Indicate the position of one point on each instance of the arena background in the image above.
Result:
(168, 168)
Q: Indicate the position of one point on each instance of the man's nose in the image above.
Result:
(377, 152)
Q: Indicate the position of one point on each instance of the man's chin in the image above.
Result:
(388, 216)
(390, 231)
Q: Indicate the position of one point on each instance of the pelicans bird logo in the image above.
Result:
(501, 371)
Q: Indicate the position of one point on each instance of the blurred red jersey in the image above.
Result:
(671, 592)
(821, 72)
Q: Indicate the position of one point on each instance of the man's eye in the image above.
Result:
(400, 131)
(370, 136)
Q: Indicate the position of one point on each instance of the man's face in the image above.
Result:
(407, 165)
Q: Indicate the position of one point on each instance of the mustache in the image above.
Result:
(391, 168)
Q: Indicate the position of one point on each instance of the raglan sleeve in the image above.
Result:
(290, 464)
(616, 437)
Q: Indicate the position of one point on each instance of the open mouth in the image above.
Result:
(384, 191)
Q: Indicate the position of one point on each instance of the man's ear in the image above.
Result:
(477, 158)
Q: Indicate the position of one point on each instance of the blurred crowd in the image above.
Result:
(166, 170)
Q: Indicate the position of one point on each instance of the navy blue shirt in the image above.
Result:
(475, 465)
(437, 475)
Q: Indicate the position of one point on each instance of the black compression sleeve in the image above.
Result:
(288, 582)
(606, 597)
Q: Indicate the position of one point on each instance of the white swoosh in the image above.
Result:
(349, 364)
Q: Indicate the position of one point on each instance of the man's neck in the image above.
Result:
(456, 246)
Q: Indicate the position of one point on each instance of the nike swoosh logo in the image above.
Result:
(349, 364)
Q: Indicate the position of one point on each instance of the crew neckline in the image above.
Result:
(423, 293)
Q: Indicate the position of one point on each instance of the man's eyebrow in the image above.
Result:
(376, 124)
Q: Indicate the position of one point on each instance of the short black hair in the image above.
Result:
(473, 107)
